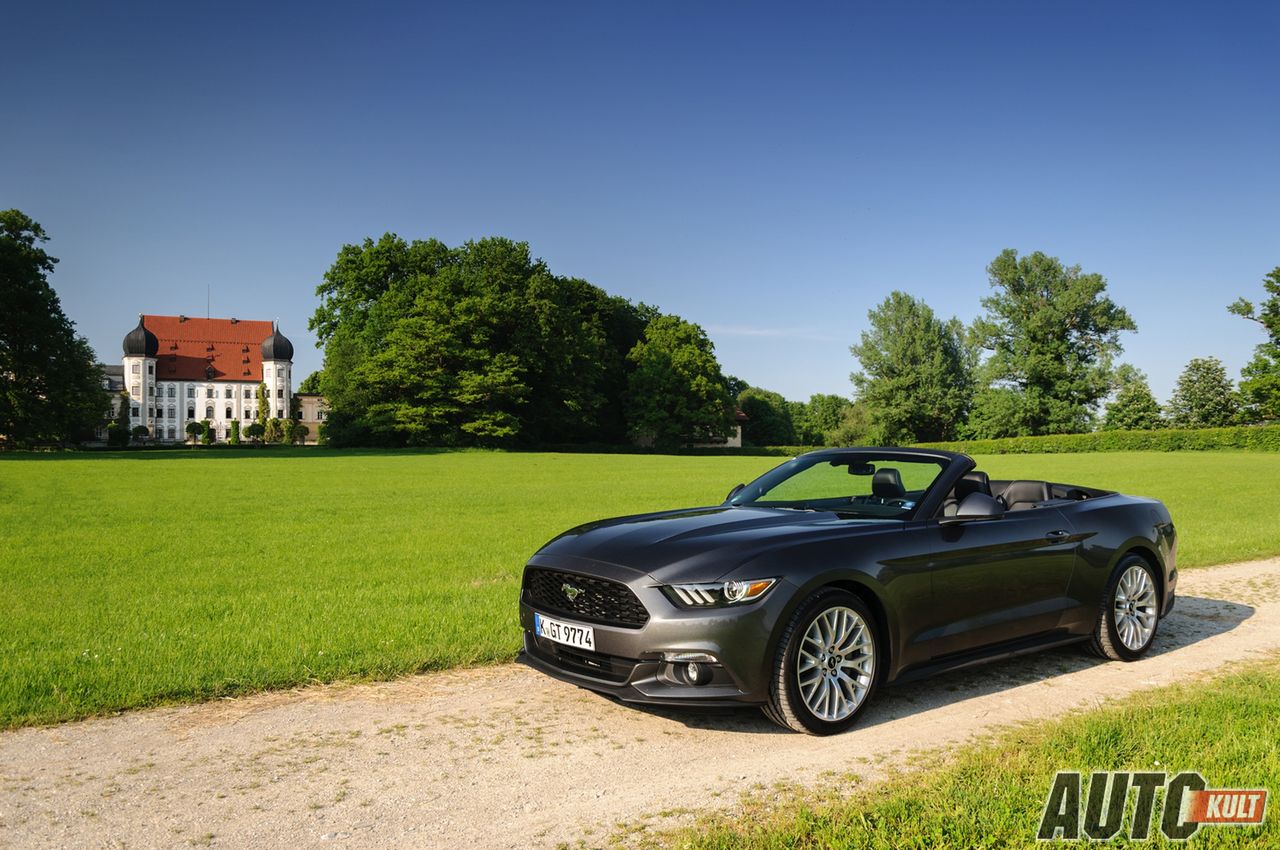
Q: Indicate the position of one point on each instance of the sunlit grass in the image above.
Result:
(153, 577)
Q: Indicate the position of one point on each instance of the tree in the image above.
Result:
(140, 432)
(300, 433)
(1052, 333)
(311, 384)
(677, 393)
(274, 432)
(264, 405)
(855, 428)
(195, 430)
(816, 420)
(50, 387)
(233, 433)
(917, 378)
(1260, 384)
(286, 430)
(255, 431)
(206, 432)
(768, 418)
(1203, 396)
(118, 430)
(1134, 407)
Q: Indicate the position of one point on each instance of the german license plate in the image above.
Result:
(569, 634)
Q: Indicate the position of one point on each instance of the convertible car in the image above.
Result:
(840, 570)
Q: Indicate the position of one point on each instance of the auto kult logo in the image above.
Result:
(1188, 804)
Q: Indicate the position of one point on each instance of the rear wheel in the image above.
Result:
(1130, 612)
(826, 666)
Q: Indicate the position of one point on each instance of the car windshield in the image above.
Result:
(859, 485)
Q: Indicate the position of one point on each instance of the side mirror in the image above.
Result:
(738, 488)
(976, 507)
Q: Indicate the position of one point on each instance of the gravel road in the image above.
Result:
(502, 757)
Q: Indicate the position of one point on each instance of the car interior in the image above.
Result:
(1020, 495)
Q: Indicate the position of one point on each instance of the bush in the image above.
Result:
(1261, 438)
(233, 434)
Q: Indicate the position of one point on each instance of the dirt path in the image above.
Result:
(504, 757)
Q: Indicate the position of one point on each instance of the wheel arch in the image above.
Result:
(862, 587)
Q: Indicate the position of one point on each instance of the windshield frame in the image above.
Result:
(953, 466)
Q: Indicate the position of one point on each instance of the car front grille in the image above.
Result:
(595, 600)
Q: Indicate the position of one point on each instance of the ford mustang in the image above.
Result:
(841, 570)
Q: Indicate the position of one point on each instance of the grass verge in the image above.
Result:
(991, 794)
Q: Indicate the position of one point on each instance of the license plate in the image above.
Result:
(569, 634)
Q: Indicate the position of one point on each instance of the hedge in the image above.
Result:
(1259, 438)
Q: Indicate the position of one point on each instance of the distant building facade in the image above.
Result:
(313, 413)
(178, 369)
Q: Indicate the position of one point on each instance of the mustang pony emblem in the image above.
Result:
(570, 591)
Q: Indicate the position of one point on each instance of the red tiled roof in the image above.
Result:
(207, 349)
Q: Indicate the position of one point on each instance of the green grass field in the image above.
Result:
(992, 795)
(153, 577)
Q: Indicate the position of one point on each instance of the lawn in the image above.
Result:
(153, 577)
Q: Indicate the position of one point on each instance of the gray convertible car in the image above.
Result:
(837, 571)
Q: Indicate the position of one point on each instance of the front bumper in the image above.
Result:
(627, 662)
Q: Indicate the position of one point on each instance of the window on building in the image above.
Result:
(151, 412)
(279, 413)
(208, 412)
(151, 368)
(208, 392)
(229, 413)
(279, 393)
(191, 413)
(136, 392)
(134, 411)
(151, 391)
(137, 369)
(319, 415)
(173, 414)
(248, 393)
(227, 393)
(191, 392)
(267, 373)
(173, 391)
(247, 414)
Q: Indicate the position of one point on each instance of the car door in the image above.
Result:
(997, 580)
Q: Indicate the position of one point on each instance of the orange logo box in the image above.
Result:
(1233, 806)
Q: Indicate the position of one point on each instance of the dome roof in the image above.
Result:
(277, 346)
(141, 342)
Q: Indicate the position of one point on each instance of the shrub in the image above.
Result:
(1264, 438)
(233, 433)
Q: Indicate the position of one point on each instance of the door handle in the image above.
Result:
(1057, 535)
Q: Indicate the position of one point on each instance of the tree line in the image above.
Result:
(1040, 360)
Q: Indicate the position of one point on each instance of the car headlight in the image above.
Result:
(718, 594)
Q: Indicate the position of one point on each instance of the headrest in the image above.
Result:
(1025, 493)
(973, 482)
(887, 484)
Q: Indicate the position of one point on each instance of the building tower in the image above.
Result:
(140, 350)
(277, 372)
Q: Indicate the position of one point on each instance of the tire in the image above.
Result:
(851, 672)
(1121, 631)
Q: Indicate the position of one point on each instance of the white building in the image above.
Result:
(178, 369)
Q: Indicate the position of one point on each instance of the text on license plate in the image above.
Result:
(583, 637)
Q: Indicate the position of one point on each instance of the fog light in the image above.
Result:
(697, 674)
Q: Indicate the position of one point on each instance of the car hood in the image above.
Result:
(698, 544)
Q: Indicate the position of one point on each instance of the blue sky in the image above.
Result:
(769, 171)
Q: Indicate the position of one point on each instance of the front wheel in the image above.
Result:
(1130, 612)
(826, 668)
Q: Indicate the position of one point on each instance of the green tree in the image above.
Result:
(855, 428)
(1260, 378)
(300, 433)
(206, 432)
(677, 392)
(1052, 333)
(264, 405)
(195, 430)
(814, 420)
(233, 433)
(768, 418)
(917, 374)
(274, 432)
(1203, 396)
(140, 432)
(286, 430)
(1134, 407)
(255, 431)
(118, 430)
(311, 384)
(50, 387)
(475, 345)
